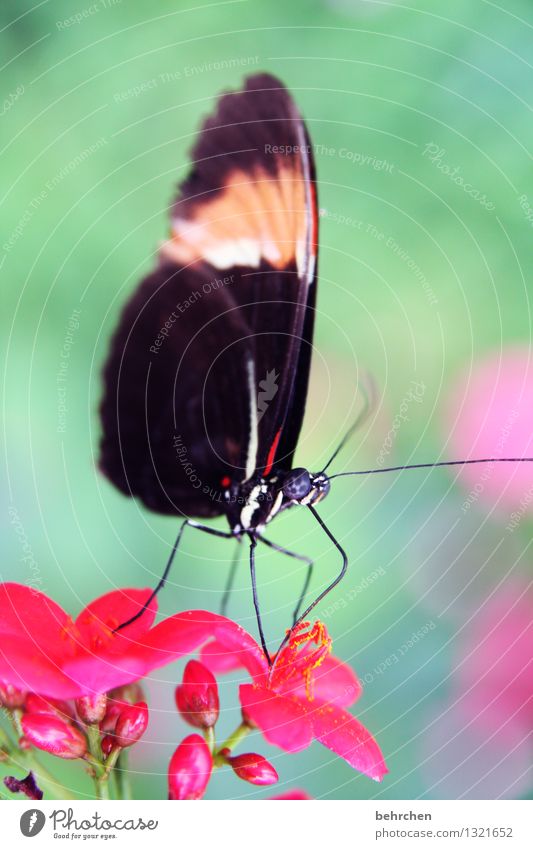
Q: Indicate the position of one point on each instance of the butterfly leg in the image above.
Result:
(186, 523)
(231, 578)
(308, 576)
(330, 586)
(253, 543)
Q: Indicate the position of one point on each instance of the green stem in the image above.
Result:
(98, 774)
(112, 761)
(232, 741)
(101, 786)
(93, 739)
(16, 716)
(6, 743)
(99, 771)
(122, 776)
(209, 736)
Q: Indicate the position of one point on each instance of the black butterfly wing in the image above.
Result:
(219, 392)
(175, 409)
(251, 200)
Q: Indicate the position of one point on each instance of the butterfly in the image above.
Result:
(206, 380)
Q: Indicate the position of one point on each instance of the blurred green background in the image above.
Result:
(418, 279)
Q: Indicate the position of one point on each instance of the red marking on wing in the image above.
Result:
(272, 453)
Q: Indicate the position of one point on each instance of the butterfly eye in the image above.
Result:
(297, 484)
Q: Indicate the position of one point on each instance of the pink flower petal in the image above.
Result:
(91, 673)
(29, 614)
(185, 632)
(341, 732)
(25, 666)
(97, 622)
(219, 660)
(333, 681)
(282, 720)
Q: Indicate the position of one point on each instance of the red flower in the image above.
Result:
(190, 769)
(197, 696)
(53, 735)
(302, 697)
(43, 650)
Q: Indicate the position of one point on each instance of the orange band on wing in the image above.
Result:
(255, 216)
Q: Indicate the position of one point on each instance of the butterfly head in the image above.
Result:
(303, 487)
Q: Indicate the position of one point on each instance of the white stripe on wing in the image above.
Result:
(251, 457)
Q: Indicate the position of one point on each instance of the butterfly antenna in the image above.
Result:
(434, 465)
(369, 394)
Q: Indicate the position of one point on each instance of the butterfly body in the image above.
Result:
(250, 507)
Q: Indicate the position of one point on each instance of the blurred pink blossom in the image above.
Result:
(494, 673)
(490, 414)
(477, 745)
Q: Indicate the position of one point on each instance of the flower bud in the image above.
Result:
(131, 693)
(197, 696)
(131, 724)
(92, 709)
(52, 707)
(190, 769)
(108, 744)
(11, 697)
(53, 735)
(253, 768)
(113, 710)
